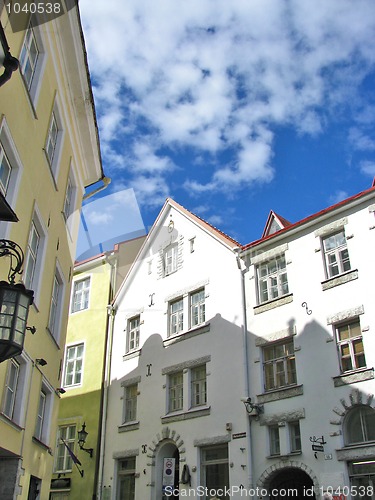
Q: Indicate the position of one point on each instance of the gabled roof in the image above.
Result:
(221, 237)
(311, 218)
(274, 223)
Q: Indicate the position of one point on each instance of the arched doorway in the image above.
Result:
(291, 483)
(167, 449)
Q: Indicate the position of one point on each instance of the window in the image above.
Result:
(32, 254)
(5, 171)
(131, 394)
(64, 461)
(294, 436)
(350, 346)
(15, 389)
(35, 255)
(69, 199)
(176, 316)
(170, 259)
(272, 279)
(40, 416)
(336, 254)
(362, 477)
(11, 388)
(359, 425)
(274, 439)
(56, 304)
(54, 140)
(279, 365)
(197, 308)
(73, 365)
(215, 468)
(34, 488)
(133, 333)
(198, 386)
(176, 391)
(126, 478)
(81, 292)
(32, 58)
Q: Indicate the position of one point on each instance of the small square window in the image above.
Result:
(81, 293)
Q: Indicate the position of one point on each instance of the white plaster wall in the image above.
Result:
(316, 352)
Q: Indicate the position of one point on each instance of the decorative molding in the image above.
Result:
(289, 392)
(269, 254)
(266, 477)
(131, 381)
(210, 441)
(187, 290)
(340, 280)
(347, 314)
(371, 208)
(356, 453)
(272, 337)
(125, 454)
(187, 335)
(276, 418)
(186, 415)
(332, 227)
(266, 306)
(186, 364)
(131, 426)
(352, 378)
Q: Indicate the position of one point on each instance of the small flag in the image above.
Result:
(73, 457)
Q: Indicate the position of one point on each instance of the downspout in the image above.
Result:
(243, 271)
(111, 311)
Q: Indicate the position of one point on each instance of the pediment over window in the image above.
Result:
(274, 223)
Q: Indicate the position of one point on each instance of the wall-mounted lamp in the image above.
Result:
(60, 390)
(252, 408)
(41, 361)
(82, 435)
(15, 301)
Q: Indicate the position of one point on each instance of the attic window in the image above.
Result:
(170, 259)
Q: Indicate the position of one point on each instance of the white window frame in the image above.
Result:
(197, 304)
(18, 404)
(44, 414)
(170, 259)
(35, 256)
(362, 421)
(56, 306)
(274, 440)
(130, 403)
(76, 361)
(10, 390)
(220, 466)
(10, 151)
(40, 415)
(295, 441)
(126, 473)
(5, 171)
(272, 279)
(336, 254)
(34, 83)
(61, 450)
(54, 140)
(198, 386)
(176, 316)
(283, 361)
(349, 344)
(175, 391)
(133, 333)
(80, 296)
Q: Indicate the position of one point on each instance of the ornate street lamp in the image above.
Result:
(82, 435)
(15, 301)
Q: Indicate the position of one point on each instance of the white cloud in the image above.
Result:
(368, 168)
(338, 196)
(220, 76)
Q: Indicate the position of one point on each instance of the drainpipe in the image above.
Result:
(111, 311)
(243, 271)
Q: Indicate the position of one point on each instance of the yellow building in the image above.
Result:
(49, 154)
(85, 371)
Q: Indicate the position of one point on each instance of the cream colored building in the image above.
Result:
(49, 154)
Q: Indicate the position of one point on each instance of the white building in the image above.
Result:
(177, 366)
(311, 321)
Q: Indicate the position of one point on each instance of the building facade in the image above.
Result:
(85, 371)
(175, 420)
(49, 154)
(310, 320)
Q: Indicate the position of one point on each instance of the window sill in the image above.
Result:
(11, 422)
(132, 354)
(41, 444)
(197, 330)
(354, 376)
(284, 393)
(199, 411)
(340, 280)
(271, 304)
(129, 426)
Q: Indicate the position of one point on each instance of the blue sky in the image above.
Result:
(233, 108)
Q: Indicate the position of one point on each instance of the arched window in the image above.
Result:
(359, 425)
